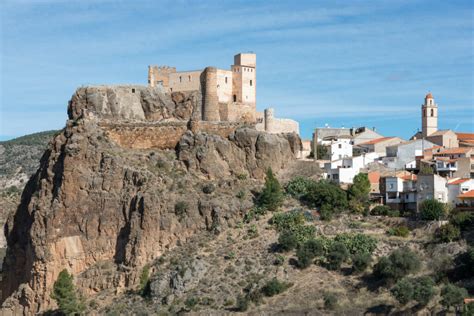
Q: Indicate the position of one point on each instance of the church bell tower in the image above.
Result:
(429, 116)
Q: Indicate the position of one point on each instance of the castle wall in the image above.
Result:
(279, 125)
(211, 105)
(159, 75)
(224, 85)
(185, 81)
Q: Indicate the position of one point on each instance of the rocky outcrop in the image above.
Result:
(103, 210)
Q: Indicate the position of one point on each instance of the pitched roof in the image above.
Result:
(456, 150)
(467, 195)
(374, 176)
(441, 132)
(459, 181)
(465, 136)
(429, 96)
(376, 140)
(408, 177)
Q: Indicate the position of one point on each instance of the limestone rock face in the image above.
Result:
(103, 210)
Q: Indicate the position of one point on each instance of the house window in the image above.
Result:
(133, 90)
(235, 98)
(340, 145)
(391, 185)
(250, 82)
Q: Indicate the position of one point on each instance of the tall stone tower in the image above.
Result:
(244, 78)
(429, 116)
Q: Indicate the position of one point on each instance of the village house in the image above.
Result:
(400, 191)
(431, 186)
(401, 155)
(457, 187)
(379, 145)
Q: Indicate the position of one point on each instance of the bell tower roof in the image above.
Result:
(429, 96)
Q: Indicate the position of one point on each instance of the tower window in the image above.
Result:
(133, 90)
(180, 79)
(235, 98)
(250, 82)
(189, 77)
(225, 79)
(432, 112)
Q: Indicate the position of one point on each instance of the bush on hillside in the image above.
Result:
(330, 300)
(287, 240)
(400, 231)
(271, 197)
(361, 261)
(357, 243)
(463, 220)
(403, 291)
(452, 295)
(360, 188)
(65, 295)
(432, 210)
(308, 251)
(397, 265)
(423, 290)
(298, 187)
(448, 233)
(326, 193)
(337, 255)
(288, 220)
(274, 287)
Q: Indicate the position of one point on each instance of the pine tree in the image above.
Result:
(65, 295)
(272, 196)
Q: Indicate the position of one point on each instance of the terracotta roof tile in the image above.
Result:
(465, 136)
(467, 195)
(457, 150)
(459, 181)
(376, 140)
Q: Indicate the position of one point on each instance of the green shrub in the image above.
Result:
(419, 289)
(326, 212)
(403, 291)
(271, 197)
(360, 188)
(191, 302)
(298, 187)
(400, 231)
(287, 240)
(463, 220)
(308, 251)
(393, 213)
(361, 261)
(423, 290)
(452, 295)
(240, 195)
(180, 208)
(380, 210)
(465, 264)
(448, 233)
(330, 300)
(397, 265)
(241, 176)
(65, 295)
(242, 304)
(288, 220)
(279, 260)
(326, 193)
(144, 285)
(468, 309)
(337, 255)
(432, 210)
(208, 188)
(254, 214)
(274, 287)
(357, 243)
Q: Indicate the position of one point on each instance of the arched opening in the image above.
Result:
(432, 112)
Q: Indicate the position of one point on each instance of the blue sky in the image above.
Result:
(342, 63)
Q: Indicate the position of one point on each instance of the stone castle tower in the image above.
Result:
(228, 95)
(429, 116)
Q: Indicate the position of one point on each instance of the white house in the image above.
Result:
(341, 148)
(431, 186)
(400, 192)
(344, 170)
(456, 187)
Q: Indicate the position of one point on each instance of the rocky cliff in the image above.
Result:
(133, 173)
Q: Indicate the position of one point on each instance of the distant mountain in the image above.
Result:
(20, 158)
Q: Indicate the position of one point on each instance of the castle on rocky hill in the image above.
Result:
(228, 95)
